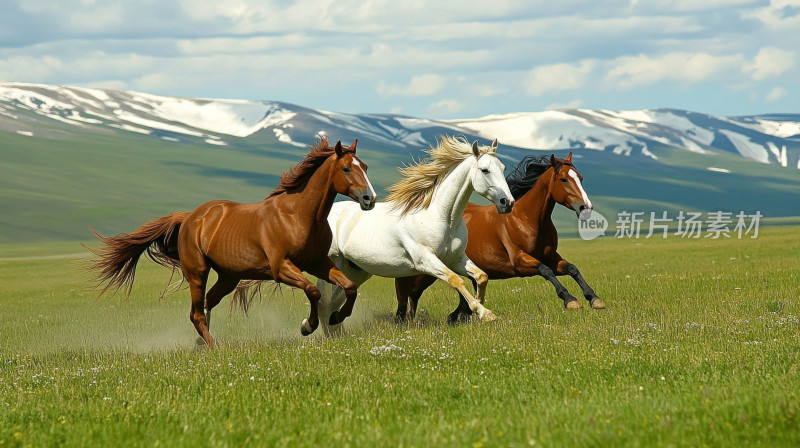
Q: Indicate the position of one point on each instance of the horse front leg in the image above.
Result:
(431, 265)
(529, 266)
(567, 268)
(479, 279)
(289, 274)
(330, 273)
(334, 296)
(479, 283)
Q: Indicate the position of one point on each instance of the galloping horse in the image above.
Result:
(522, 243)
(275, 239)
(420, 229)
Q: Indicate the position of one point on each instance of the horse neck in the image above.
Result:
(451, 195)
(315, 200)
(538, 203)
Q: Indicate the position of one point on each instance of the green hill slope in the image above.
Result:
(52, 188)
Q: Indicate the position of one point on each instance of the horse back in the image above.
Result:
(226, 233)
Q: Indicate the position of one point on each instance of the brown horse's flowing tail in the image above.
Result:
(116, 261)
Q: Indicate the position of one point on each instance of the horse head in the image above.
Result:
(350, 176)
(566, 187)
(488, 179)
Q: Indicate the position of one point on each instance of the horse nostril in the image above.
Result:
(503, 201)
(366, 198)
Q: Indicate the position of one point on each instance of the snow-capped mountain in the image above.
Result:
(31, 109)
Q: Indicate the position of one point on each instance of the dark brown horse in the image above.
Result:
(275, 239)
(522, 243)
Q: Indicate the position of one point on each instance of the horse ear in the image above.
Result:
(338, 149)
(569, 157)
(494, 145)
(355, 142)
(552, 159)
(475, 149)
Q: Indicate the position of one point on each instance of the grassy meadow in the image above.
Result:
(699, 346)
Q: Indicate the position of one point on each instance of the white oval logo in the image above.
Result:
(593, 227)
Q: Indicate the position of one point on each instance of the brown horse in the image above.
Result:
(275, 239)
(522, 243)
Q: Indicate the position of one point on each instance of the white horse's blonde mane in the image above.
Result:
(415, 191)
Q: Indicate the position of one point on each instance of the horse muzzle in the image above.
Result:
(584, 212)
(504, 205)
(366, 197)
(367, 202)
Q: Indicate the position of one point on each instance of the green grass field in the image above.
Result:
(699, 347)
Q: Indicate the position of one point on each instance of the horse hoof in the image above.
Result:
(334, 319)
(200, 345)
(598, 304)
(489, 316)
(305, 328)
(573, 305)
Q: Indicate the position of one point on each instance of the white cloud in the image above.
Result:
(241, 45)
(557, 77)
(775, 94)
(777, 16)
(486, 91)
(422, 85)
(322, 53)
(680, 6)
(643, 70)
(770, 62)
(446, 106)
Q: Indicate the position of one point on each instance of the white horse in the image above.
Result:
(420, 229)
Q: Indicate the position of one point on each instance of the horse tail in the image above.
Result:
(116, 261)
(246, 292)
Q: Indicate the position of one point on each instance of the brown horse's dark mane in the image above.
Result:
(298, 175)
(529, 170)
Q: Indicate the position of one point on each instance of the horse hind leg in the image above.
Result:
(197, 289)
(403, 288)
(408, 291)
(224, 286)
(421, 283)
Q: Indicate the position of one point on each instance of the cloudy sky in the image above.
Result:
(429, 58)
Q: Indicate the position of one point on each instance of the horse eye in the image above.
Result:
(346, 169)
(563, 179)
(485, 170)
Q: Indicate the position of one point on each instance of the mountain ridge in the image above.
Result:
(771, 138)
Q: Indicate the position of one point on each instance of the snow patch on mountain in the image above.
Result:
(557, 130)
(746, 147)
(236, 118)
